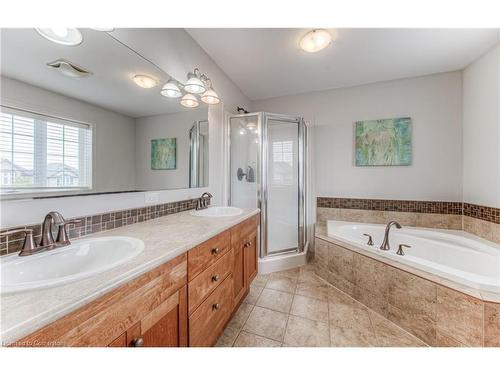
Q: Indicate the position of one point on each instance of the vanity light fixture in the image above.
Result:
(144, 81)
(210, 96)
(315, 40)
(171, 89)
(61, 35)
(189, 101)
(194, 84)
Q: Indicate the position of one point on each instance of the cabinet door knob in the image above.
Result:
(139, 341)
(215, 251)
(215, 306)
(215, 278)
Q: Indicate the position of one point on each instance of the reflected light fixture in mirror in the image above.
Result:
(61, 35)
(144, 81)
(315, 40)
(171, 89)
(189, 101)
(194, 85)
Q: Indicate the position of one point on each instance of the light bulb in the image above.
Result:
(315, 40)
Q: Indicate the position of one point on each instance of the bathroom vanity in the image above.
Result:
(185, 299)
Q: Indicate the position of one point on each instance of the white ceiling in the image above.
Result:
(24, 55)
(268, 63)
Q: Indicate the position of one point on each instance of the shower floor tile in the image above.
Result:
(297, 308)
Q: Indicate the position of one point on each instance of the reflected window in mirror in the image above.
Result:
(40, 153)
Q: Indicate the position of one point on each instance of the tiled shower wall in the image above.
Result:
(479, 220)
(100, 222)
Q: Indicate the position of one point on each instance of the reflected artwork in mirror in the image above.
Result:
(92, 118)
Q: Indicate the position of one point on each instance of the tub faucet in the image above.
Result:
(385, 242)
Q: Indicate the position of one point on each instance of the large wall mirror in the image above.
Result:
(90, 119)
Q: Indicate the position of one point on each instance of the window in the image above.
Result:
(40, 153)
(282, 162)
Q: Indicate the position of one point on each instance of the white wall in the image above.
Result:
(434, 104)
(481, 130)
(114, 133)
(173, 125)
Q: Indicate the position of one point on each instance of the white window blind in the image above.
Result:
(40, 153)
(282, 162)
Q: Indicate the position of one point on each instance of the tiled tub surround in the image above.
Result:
(479, 220)
(100, 222)
(164, 238)
(427, 306)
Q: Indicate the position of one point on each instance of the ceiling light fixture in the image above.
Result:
(210, 96)
(315, 40)
(61, 35)
(194, 84)
(69, 69)
(189, 101)
(144, 81)
(171, 89)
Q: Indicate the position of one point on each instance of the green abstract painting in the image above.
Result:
(163, 153)
(383, 142)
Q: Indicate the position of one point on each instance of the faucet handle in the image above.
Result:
(29, 242)
(62, 233)
(370, 240)
(401, 250)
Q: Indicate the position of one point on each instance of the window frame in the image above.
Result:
(42, 192)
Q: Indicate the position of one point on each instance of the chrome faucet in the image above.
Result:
(202, 202)
(385, 242)
(47, 241)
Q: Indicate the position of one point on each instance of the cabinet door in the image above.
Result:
(166, 325)
(239, 278)
(250, 248)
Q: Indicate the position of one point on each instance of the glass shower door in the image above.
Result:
(282, 185)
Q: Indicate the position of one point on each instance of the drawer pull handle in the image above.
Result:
(215, 306)
(215, 251)
(215, 278)
(248, 244)
(139, 341)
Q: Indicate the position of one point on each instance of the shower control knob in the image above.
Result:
(215, 278)
(215, 251)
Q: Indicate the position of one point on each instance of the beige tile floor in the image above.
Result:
(296, 308)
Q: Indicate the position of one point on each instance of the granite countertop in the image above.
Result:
(164, 238)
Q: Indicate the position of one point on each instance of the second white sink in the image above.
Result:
(81, 259)
(218, 211)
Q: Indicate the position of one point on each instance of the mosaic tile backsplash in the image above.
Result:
(100, 222)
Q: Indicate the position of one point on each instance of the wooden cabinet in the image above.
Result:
(186, 301)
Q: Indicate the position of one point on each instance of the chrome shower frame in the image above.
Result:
(262, 192)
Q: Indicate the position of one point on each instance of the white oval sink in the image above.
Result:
(81, 259)
(217, 211)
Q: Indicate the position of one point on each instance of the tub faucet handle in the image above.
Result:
(370, 240)
(401, 250)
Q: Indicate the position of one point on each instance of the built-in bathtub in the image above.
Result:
(444, 290)
(453, 255)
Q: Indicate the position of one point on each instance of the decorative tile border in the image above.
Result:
(485, 213)
(429, 207)
(100, 222)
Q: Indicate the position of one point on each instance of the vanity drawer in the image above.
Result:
(208, 320)
(207, 253)
(208, 280)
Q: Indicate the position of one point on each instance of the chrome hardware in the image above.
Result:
(215, 251)
(215, 278)
(215, 306)
(385, 243)
(370, 240)
(201, 203)
(137, 342)
(29, 243)
(401, 250)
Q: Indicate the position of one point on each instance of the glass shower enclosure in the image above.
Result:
(267, 170)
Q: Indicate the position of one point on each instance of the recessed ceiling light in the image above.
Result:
(144, 81)
(315, 40)
(62, 35)
(189, 101)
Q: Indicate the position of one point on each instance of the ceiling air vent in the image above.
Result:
(69, 69)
